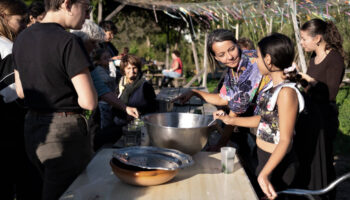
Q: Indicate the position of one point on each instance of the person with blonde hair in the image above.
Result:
(11, 18)
(20, 178)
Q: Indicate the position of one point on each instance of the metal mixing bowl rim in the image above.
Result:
(168, 127)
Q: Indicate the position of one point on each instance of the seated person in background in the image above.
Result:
(133, 90)
(245, 44)
(91, 34)
(36, 13)
(101, 59)
(175, 71)
(125, 52)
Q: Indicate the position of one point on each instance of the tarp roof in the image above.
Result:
(248, 11)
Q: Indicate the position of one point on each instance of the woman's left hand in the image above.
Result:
(307, 77)
(266, 186)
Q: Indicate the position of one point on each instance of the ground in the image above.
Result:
(342, 166)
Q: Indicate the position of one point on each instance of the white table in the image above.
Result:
(202, 181)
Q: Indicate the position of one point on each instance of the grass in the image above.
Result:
(211, 83)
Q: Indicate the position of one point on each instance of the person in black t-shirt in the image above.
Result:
(52, 75)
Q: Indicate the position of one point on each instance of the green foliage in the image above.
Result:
(341, 145)
(343, 102)
(212, 84)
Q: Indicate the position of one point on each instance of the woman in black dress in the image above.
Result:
(319, 125)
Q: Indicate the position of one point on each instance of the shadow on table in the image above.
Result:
(214, 167)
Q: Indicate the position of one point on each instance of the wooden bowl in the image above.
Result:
(139, 176)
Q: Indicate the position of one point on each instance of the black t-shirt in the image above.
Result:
(110, 47)
(47, 57)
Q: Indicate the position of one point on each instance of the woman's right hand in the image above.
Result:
(221, 115)
(266, 186)
(132, 112)
(183, 98)
(218, 113)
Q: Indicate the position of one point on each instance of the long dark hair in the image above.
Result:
(328, 31)
(218, 35)
(35, 9)
(10, 7)
(281, 50)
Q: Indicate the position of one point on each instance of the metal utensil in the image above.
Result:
(210, 123)
(186, 132)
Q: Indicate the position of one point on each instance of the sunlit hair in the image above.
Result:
(55, 5)
(218, 35)
(177, 53)
(8, 8)
(328, 31)
(132, 60)
(245, 43)
(90, 31)
(281, 50)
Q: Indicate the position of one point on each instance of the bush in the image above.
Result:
(343, 103)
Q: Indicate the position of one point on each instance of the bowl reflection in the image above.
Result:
(139, 176)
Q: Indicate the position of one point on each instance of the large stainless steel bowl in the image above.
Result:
(185, 132)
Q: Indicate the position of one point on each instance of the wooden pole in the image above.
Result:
(271, 25)
(99, 14)
(197, 76)
(195, 55)
(115, 11)
(91, 16)
(282, 20)
(293, 7)
(205, 61)
(237, 31)
(167, 48)
(223, 21)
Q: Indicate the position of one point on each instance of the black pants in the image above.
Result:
(60, 147)
(19, 177)
(283, 175)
